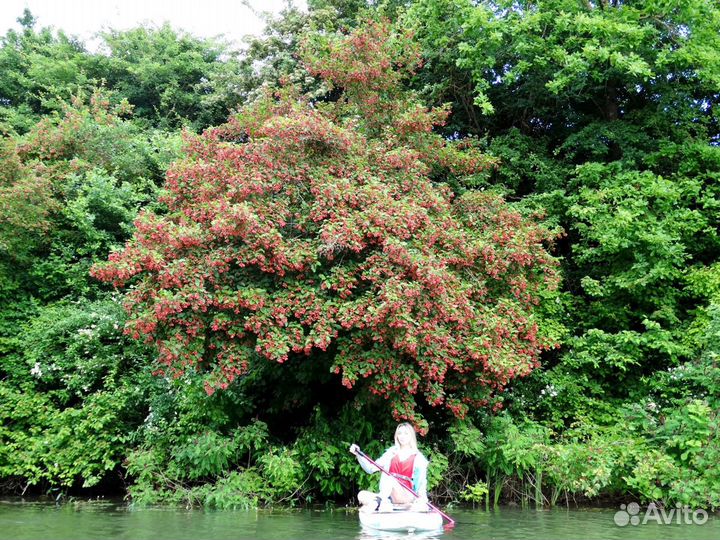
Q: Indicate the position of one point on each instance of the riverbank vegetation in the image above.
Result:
(499, 220)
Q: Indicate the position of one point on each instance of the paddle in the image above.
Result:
(450, 521)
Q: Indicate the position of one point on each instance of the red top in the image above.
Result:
(403, 470)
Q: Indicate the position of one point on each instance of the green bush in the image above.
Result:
(47, 446)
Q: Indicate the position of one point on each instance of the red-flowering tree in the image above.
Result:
(300, 226)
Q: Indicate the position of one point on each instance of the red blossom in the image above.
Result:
(322, 227)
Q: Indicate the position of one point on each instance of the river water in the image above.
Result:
(79, 520)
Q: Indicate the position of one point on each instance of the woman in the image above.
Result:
(408, 468)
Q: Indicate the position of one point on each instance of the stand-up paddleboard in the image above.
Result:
(401, 520)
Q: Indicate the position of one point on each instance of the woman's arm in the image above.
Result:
(420, 477)
(383, 461)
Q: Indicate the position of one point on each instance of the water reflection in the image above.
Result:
(373, 534)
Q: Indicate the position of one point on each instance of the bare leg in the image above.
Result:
(373, 502)
(389, 487)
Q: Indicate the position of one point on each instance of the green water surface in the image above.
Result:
(22, 519)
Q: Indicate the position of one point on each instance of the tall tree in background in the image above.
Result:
(170, 77)
(38, 70)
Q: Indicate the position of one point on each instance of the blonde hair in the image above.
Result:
(413, 437)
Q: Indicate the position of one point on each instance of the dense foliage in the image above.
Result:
(605, 114)
(367, 213)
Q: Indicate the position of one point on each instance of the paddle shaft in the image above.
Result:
(451, 521)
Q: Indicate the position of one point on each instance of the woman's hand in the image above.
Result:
(354, 448)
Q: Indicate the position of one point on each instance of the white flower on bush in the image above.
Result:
(36, 371)
(549, 390)
(85, 332)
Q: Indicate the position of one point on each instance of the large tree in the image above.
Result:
(606, 113)
(304, 226)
